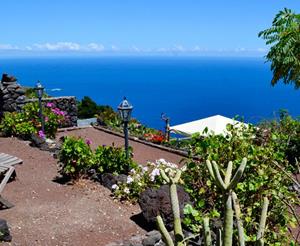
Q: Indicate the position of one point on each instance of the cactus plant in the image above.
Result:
(226, 185)
(207, 233)
(231, 205)
(179, 238)
(262, 224)
(239, 223)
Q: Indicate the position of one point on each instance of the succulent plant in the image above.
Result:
(231, 207)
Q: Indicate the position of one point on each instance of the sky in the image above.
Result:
(134, 27)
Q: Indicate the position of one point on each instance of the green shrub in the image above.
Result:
(110, 159)
(17, 124)
(262, 177)
(76, 157)
(108, 117)
(287, 133)
(87, 108)
(26, 122)
(30, 92)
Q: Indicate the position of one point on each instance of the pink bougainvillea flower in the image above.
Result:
(49, 105)
(41, 134)
(56, 110)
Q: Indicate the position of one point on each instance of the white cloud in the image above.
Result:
(59, 46)
(114, 48)
(179, 48)
(94, 47)
(263, 50)
(196, 48)
(162, 50)
(8, 47)
(240, 49)
(66, 46)
(135, 49)
(98, 48)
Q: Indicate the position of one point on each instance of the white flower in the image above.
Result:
(151, 163)
(161, 162)
(132, 171)
(145, 169)
(171, 165)
(126, 190)
(183, 169)
(170, 171)
(129, 180)
(115, 187)
(155, 172)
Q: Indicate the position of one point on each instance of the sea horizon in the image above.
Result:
(186, 88)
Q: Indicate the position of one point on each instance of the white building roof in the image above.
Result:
(216, 124)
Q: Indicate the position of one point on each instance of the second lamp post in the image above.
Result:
(125, 109)
(40, 91)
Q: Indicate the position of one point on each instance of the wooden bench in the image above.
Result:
(7, 163)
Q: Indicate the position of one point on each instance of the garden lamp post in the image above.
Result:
(167, 126)
(40, 91)
(125, 109)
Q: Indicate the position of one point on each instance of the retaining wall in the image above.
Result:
(12, 99)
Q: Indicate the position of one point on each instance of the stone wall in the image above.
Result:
(12, 99)
(12, 95)
(66, 104)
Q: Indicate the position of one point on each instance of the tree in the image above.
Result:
(284, 54)
(87, 108)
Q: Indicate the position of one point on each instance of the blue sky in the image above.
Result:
(137, 26)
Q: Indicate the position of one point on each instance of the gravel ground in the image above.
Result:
(142, 152)
(47, 213)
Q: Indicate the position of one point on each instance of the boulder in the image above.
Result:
(6, 96)
(37, 141)
(4, 231)
(20, 91)
(155, 202)
(13, 87)
(9, 106)
(152, 238)
(108, 179)
(7, 78)
(21, 99)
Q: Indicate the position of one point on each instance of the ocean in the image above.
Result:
(185, 88)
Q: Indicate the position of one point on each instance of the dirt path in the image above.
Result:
(47, 213)
(142, 153)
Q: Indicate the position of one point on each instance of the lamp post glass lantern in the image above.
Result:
(125, 109)
(40, 91)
